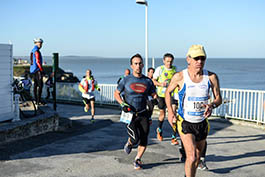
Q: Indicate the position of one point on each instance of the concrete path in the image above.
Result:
(96, 150)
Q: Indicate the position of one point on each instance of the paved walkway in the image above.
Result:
(96, 150)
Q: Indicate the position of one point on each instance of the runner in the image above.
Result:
(150, 73)
(87, 86)
(137, 88)
(126, 73)
(193, 84)
(36, 70)
(150, 102)
(162, 77)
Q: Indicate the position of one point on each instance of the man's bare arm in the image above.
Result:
(174, 83)
(117, 96)
(216, 92)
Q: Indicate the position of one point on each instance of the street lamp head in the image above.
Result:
(141, 2)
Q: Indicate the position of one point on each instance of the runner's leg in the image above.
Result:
(143, 129)
(199, 150)
(190, 149)
(92, 103)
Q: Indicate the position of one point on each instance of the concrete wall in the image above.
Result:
(43, 123)
(6, 78)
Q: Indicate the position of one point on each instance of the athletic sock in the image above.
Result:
(160, 123)
(137, 158)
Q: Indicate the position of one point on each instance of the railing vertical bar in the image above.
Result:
(263, 106)
(247, 115)
(251, 105)
(230, 102)
(236, 102)
(243, 104)
(255, 106)
(233, 105)
(239, 102)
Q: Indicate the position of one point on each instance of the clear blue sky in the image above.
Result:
(116, 28)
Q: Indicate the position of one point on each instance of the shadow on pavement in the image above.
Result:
(228, 158)
(115, 141)
(8, 149)
(239, 139)
(229, 169)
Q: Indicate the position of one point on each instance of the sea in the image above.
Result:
(235, 73)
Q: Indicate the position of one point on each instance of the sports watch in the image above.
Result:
(214, 106)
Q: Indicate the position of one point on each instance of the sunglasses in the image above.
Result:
(200, 58)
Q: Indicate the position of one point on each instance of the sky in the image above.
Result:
(116, 28)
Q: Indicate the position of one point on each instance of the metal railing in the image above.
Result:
(240, 104)
(70, 92)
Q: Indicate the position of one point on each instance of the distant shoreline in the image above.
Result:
(95, 57)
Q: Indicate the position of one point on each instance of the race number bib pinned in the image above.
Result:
(126, 117)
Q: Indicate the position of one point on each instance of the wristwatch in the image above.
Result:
(214, 106)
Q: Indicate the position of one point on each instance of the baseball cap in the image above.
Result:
(196, 51)
(38, 40)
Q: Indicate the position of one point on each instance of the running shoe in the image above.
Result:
(174, 140)
(159, 134)
(92, 120)
(137, 164)
(182, 154)
(85, 109)
(202, 165)
(127, 148)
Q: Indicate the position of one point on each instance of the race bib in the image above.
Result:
(196, 106)
(126, 117)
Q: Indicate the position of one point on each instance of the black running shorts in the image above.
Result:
(162, 102)
(199, 130)
(138, 129)
(87, 101)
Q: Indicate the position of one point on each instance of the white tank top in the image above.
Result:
(192, 97)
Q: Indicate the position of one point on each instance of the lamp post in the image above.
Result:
(144, 2)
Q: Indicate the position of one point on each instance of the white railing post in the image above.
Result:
(16, 109)
(259, 106)
(153, 62)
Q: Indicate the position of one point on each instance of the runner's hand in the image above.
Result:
(125, 107)
(171, 117)
(150, 121)
(164, 84)
(208, 111)
(154, 101)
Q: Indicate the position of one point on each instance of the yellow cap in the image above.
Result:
(196, 51)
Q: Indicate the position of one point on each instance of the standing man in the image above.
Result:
(36, 69)
(126, 73)
(136, 88)
(87, 86)
(194, 84)
(161, 79)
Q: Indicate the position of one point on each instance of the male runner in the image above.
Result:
(161, 79)
(87, 86)
(126, 73)
(194, 84)
(136, 88)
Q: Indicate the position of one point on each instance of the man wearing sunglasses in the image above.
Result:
(194, 84)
